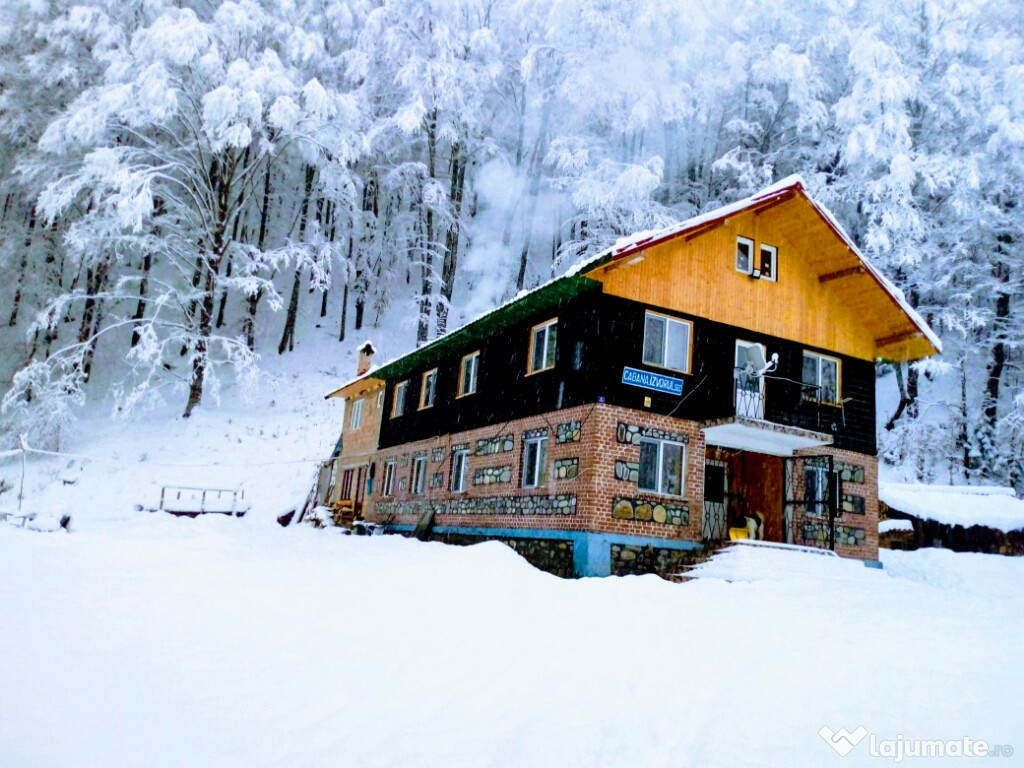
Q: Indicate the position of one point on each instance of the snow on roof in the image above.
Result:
(519, 296)
(888, 526)
(966, 505)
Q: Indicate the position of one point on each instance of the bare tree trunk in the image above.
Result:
(536, 165)
(223, 297)
(427, 269)
(288, 336)
(252, 302)
(451, 255)
(22, 266)
(140, 308)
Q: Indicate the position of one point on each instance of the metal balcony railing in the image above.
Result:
(785, 401)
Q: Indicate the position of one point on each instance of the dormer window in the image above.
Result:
(757, 261)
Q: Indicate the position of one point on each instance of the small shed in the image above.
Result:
(963, 518)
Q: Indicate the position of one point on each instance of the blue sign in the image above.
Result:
(667, 384)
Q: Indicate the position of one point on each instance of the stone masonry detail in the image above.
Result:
(568, 432)
(634, 433)
(491, 475)
(628, 471)
(567, 469)
(650, 511)
(494, 445)
(559, 504)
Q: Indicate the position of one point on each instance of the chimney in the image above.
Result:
(366, 353)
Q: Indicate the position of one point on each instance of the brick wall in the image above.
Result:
(587, 434)
(600, 443)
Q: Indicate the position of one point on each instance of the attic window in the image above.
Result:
(769, 259)
(744, 255)
(760, 262)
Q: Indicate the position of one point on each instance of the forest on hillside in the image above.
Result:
(189, 185)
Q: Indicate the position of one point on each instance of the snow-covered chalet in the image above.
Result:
(715, 376)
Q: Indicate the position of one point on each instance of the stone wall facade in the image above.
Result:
(593, 455)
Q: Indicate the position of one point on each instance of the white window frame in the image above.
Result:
(818, 394)
(398, 403)
(538, 465)
(418, 478)
(469, 371)
(662, 362)
(460, 470)
(660, 489)
(428, 389)
(750, 255)
(355, 420)
(773, 260)
(549, 351)
(388, 486)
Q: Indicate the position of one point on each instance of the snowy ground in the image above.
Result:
(139, 639)
(158, 641)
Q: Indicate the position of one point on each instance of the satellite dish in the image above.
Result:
(756, 364)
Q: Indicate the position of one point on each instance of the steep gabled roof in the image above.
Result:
(576, 280)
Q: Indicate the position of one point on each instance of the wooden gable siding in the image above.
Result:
(698, 276)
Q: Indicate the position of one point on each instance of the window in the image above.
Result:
(460, 469)
(388, 487)
(744, 255)
(356, 420)
(428, 389)
(820, 487)
(769, 257)
(419, 475)
(667, 342)
(764, 265)
(662, 467)
(398, 406)
(380, 399)
(535, 462)
(821, 377)
(543, 340)
(467, 374)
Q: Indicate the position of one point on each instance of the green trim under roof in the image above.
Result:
(547, 296)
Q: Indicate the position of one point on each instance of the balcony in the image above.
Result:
(776, 416)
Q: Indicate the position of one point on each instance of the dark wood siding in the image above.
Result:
(599, 335)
